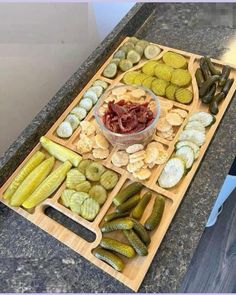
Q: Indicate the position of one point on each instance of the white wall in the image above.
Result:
(108, 15)
(41, 46)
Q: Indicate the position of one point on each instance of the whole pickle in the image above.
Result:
(225, 75)
(204, 68)
(210, 94)
(199, 77)
(211, 67)
(227, 86)
(155, 218)
(207, 85)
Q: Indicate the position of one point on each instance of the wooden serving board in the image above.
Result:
(136, 268)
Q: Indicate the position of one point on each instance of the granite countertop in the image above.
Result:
(31, 260)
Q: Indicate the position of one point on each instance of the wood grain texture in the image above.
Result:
(213, 266)
(133, 274)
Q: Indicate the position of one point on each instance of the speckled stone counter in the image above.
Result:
(32, 261)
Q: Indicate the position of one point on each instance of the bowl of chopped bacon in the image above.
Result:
(127, 115)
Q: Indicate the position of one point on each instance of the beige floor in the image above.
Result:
(41, 45)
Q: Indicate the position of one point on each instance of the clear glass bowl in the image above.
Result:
(122, 141)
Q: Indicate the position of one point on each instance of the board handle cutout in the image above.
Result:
(70, 224)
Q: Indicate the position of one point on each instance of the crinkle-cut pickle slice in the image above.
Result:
(89, 209)
(181, 77)
(174, 60)
(159, 87)
(184, 95)
(172, 173)
(149, 67)
(76, 201)
(170, 91)
(163, 72)
(187, 154)
(98, 193)
(109, 179)
(148, 82)
(139, 79)
(66, 197)
(129, 77)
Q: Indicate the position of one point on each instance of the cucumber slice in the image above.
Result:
(73, 120)
(195, 148)
(110, 70)
(139, 49)
(101, 83)
(79, 112)
(172, 173)
(196, 125)
(187, 154)
(133, 56)
(98, 90)
(205, 118)
(86, 103)
(194, 136)
(134, 40)
(115, 61)
(119, 54)
(142, 43)
(92, 95)
(151, 51)
(125, 65)
(90, 209)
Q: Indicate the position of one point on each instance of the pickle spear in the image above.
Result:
(31, 182)
(48, 186)
(31, 164)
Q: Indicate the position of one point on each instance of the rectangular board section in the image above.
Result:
(132, 276)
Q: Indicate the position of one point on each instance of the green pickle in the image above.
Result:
(117, 246)
(120, 223)
(135, 242)
(137, 212)
(157, 212)
(127, 192)
(129, 204)
(141, 232)
(115, 215)
(110, 258)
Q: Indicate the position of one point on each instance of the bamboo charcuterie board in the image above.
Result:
(135, 269)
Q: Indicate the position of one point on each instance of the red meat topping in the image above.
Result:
(127, 117)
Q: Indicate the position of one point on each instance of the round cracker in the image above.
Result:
(162, 157)
(120, 158)
(134, 167)
(183, 114)
(100, 153)
(87, 128)
(174, 119)
(163, 125)
(155, 144)
(166, 104)
(134, 148)
(142, 174)
(119, 91)
(101, 141)
(151, 155)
